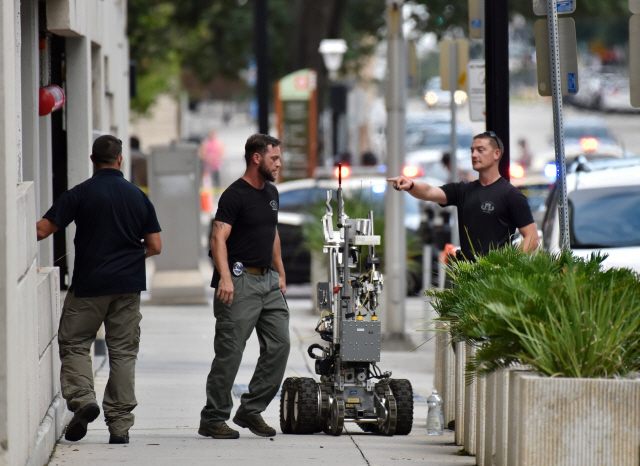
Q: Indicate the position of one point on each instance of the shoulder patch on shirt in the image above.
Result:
(274, 205)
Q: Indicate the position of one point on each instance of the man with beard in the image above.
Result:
(250, 286)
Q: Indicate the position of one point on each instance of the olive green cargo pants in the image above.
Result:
(258, 303)
(81, 319)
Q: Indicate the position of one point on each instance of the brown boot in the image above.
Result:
(219, 431)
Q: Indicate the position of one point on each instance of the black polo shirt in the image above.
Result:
(111, 216)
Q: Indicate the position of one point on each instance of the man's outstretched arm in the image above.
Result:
(530, 238)
(419, 189)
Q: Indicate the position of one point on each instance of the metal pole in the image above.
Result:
(558, 130)
(262, 59)
(395, 236)
(496, 23)
(453, 154)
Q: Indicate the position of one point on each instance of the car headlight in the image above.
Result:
(460, 97)
(431, 98)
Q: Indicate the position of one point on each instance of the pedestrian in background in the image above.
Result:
(116, 229)
(211, 151)
(489, 209)
(250, 285)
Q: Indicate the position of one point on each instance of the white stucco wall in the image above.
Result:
(32, 411)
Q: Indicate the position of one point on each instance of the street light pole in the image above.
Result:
(262, 60)
(395, 256)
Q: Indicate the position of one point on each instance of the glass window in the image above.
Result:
(294, 200)
(605, 217)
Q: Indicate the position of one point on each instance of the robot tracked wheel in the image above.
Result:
(351, 388)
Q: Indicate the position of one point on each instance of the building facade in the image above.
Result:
(80, 46)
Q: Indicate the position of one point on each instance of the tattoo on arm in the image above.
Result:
(220, 225)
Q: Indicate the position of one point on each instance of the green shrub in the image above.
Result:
(560, 314)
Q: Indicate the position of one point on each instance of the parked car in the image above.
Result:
(297, 199)
(434, 96)
(435, 141)
(604, 212)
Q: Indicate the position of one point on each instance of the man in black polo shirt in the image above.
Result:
(116, 229)
(489, 209)
(250, 285)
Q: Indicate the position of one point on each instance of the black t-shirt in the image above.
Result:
(487, 215)
(111, 216)
(253, 216)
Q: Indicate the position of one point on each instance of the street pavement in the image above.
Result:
(175, 356)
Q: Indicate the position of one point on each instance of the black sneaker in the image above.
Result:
(257, 426)
(77, 428)
(115, 438)
(219, 431)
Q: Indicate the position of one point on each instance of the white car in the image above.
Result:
(604, 213)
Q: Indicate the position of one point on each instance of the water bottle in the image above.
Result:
(435, 419)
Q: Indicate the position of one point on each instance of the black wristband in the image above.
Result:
(412, 184)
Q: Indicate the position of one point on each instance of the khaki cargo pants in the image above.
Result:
(258, 303)
(81, 319)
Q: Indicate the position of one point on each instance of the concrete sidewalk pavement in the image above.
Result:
(175, 356)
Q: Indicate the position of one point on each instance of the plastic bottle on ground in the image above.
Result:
(435, 419)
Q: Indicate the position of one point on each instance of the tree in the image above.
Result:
(214, 38)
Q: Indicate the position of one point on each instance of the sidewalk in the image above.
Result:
(175, 355)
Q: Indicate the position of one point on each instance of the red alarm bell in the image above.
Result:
(52, 98)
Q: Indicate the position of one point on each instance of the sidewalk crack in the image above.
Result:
(357, 446)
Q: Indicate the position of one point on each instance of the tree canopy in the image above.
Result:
(214, 38)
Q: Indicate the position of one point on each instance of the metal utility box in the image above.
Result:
(174, 190)
(360, 341)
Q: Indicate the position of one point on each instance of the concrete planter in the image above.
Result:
(574, 422)
(445, 374)
(460, 387)
(470, 408)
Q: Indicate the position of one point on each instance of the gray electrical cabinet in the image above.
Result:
(174, 190)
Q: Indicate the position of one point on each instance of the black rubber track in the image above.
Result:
(368, 427)
(285, 424)
(403, 393)
(306, 389)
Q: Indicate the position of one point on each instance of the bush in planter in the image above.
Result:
(359, 208)
(560, 314)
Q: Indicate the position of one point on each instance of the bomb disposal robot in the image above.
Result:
(352, 388)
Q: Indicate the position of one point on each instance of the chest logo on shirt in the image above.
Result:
(487, 207)
(274, 205)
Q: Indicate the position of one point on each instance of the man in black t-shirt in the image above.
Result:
(116, 229)
(250, 285)
(489, 209)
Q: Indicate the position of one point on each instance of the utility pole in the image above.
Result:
(496, 20)
(395, 255)
(262, 60)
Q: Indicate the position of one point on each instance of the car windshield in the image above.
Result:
(605, 217)
(301, 200)
(443, 139)
(579, 132)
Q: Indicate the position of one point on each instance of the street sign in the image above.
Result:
(462, 46)
(568, 56)
(476, 19)
(634, 59)
(477, 95)
(565, 7)
(634, 6)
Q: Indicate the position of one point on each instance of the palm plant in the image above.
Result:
(557, 313)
